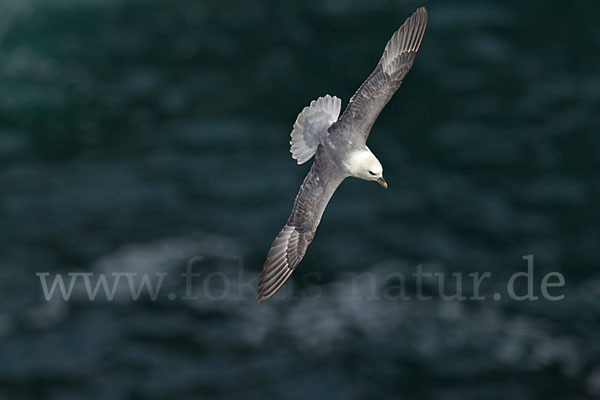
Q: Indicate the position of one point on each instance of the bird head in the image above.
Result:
(364, 165)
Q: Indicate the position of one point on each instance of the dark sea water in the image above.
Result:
(138, 136)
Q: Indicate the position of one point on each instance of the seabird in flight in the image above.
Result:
(340, 150)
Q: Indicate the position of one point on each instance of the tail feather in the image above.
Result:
(311, 126)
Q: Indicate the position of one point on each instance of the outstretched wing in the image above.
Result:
(291, 243)
(397, 59)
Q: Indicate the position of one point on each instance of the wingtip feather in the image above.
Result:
(407, 39)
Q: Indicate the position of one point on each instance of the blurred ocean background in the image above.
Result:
(136, 135)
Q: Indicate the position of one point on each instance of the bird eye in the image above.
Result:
(372, 173)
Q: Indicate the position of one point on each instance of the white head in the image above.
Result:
(364, 165)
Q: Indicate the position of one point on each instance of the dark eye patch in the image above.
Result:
(372, 173)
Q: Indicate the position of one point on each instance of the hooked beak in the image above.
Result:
(382, 182)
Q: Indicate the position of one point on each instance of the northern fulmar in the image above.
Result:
(340, 150)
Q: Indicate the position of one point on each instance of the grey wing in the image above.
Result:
(291, 243)
(397, 59)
